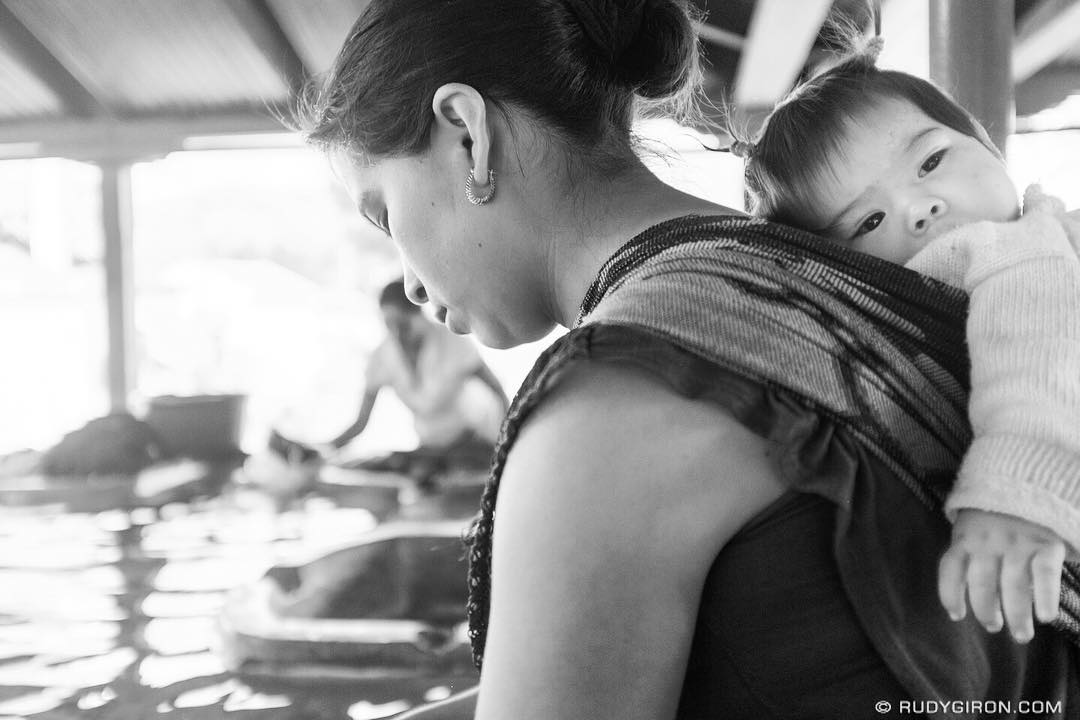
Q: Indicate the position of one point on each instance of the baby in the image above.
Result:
(885, 163)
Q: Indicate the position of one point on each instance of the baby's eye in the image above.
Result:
(870, 224)
(932, 162)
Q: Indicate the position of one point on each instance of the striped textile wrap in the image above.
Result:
(876, 347)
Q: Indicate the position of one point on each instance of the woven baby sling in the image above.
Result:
(877, 348)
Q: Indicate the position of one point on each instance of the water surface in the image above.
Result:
(112, 614)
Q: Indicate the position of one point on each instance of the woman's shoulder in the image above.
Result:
(614, 501)
(614, 438)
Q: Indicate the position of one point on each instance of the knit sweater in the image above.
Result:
(1023, 333)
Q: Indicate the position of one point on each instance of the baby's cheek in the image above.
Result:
(999, 195)
(894, 249)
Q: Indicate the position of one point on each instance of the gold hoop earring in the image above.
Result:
(470, 188)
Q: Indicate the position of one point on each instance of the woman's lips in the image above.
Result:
(440, 315)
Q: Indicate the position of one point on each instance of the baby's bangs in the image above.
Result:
(804, 150)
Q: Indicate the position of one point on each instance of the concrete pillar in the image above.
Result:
(116, 216)
(971, 44)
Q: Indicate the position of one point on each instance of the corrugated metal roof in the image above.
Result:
(317, 27)
(139, 57)
(102, 73)
(22, 94)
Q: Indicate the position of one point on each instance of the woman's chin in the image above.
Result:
(498, 337)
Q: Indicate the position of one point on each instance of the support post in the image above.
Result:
(116, 216)
(971, 43)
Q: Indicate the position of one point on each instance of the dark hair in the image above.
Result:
(534, 55)
(393, 295)
(806, 130)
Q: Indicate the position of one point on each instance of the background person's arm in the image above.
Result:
(362, 417)
(437, 384)
(615, 500)
(486, 376)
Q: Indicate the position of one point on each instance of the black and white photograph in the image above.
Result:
(539, 359)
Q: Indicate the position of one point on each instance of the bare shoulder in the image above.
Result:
(619, 435)
(614, 502)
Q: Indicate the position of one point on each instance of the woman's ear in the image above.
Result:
(461, 118)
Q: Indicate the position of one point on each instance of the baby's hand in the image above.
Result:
(1005, 563)
(1036, 200)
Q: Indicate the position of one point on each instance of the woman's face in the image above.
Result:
(466, 261)
(904, 179)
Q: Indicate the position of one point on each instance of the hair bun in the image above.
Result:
(610, 25)
(661, 58)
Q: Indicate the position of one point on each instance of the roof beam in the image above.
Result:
(779, 41)
(1048, 30)
(1044, 90)
(96, 139)
(719, 36)
(258, 20)
(39, 61)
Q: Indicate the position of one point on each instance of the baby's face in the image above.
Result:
(903, 179)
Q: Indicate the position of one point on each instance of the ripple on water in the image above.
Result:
(208, 574)
(113, 615)
(55, 597)
(35, 702)
(177, 636)
(69, 673)
(182, 604)
(59, 639)
(365, 710)
(204, 696)
(158, 671)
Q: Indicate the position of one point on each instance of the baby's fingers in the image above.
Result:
(1035, 199)
(983, 576)
(1016, 593)
(1046, 578)
(952, 574)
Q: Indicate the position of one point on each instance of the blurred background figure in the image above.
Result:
(455, 399)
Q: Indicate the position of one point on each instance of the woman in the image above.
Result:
(710, 492)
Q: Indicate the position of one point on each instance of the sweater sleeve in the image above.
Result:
(1023, 333)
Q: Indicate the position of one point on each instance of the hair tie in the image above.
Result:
(611, 25)
(741, 149)
(873, 49)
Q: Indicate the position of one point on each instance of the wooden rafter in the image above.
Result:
(720, 36)
(258, 20)
(95, 138)
(17, 40)
(777, 45)
(1048, 30)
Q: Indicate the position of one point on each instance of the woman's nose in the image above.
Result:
(414, 289)
(924, 212)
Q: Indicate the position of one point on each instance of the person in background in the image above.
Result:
(455, 399)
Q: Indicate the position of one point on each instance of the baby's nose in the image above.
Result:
(924, 213)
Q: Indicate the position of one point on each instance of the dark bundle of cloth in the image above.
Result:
(117, 444)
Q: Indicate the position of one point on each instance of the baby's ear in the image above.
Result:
(1036, 200)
